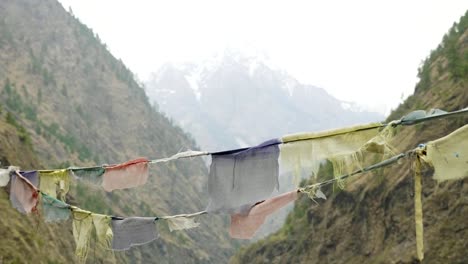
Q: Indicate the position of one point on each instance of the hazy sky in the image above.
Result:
(363, 51)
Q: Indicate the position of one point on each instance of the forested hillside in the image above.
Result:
(66, 100)
(372, 219)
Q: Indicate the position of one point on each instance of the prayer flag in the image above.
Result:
(23, 194)
(449, 155)
(245, 224)
(132, 231)
(242, 177)
(126, 175)
(54, 210)
(55, 183)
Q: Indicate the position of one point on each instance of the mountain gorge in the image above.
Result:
(66, 100)
(372, 219)
(235, 100)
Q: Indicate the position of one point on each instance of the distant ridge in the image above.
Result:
(236, 100)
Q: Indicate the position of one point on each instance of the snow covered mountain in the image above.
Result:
(234, 101)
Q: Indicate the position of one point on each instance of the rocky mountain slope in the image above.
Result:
(372, 219)
(236, 100)
(65, 100)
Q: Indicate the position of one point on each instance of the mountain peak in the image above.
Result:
(219, 99)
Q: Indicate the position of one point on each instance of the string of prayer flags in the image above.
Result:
(242, 176)
(23, 194)
(130, 174)
(245, 224)
(132, 231)
(90, 174)
(239, 179)
(449, 155)
(53, 209)
(55, 183)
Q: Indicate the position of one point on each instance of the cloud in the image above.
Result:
(364, 51)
